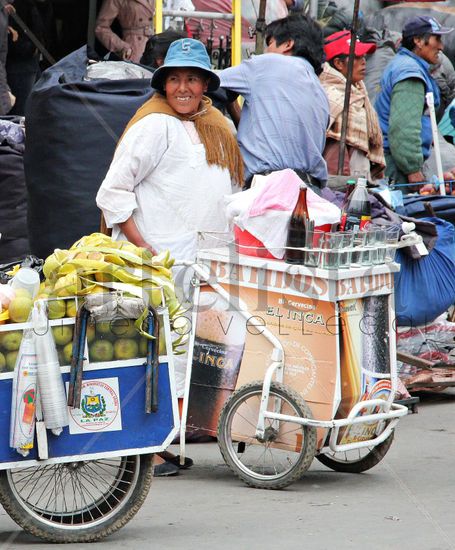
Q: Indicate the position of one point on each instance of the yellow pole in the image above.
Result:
(237, 32)
(158, 22)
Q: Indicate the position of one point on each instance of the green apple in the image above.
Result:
(62, 334)
(123, 328)
(11, 341)
(103, 328)
(2, 362)
(143, 346)
(101, 350)
(56, 309)
(71, 309)
(19, 308)
(11, 360)
(126, 348)
(67, 353)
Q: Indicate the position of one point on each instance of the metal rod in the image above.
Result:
(158, 21)
(39, 45)
(199, 14)
(260, 28)
(314, 9)
(236, 53)
(347, 93)
(91, 24)
(437, 151)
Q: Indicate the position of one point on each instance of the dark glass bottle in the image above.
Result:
(297, 230)
(357, 211)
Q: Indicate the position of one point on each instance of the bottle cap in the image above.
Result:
(407, 227)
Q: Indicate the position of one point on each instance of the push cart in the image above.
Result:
(292, 362)
(90, 480)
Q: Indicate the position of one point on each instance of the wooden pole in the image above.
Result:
(158, 19)
(260, 28)
(347, 93)
(236, 55)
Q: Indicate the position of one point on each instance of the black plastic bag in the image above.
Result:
(13, 202)
(73, 126)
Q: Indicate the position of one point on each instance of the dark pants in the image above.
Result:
(22, 75)
(304, 176)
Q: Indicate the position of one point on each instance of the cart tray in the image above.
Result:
(111, 422)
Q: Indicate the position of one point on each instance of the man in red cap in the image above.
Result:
(364, 154)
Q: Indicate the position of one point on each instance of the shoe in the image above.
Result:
(165, 470)
(176, 461)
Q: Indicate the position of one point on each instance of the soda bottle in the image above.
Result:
(357, 210)
(297, 229)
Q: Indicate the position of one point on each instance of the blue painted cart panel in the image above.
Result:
(139, 430)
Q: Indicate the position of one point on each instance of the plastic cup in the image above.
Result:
(313, 240)
(344, 260)
(391, 238)
(332, 245)
(378, 253)
(370, 245)
(27, 279)
(358, 241)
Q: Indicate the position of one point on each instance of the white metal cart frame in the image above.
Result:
(385, 413)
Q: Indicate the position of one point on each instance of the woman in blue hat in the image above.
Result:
(174, 163)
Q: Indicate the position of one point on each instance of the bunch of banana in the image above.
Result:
(96, 263)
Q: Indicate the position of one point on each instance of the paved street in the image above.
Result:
(407, 501)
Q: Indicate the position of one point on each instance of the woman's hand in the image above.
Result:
(9, 8)
(14, 34)
(415, 177)
(152, 250)
(126, 54)
(132, 233)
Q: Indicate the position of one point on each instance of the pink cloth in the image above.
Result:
(280, 193)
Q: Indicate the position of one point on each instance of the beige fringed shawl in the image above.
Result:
(363, 131)
(220, 144)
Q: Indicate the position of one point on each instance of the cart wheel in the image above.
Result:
(77, 501)
(357, 460)
(287, 449)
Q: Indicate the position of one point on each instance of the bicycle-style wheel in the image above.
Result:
(356, 461)
(76, 501)
(286, 450)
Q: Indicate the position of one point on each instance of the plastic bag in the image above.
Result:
(29, 261)
(24, 397)
(50, 382)
(425, 288)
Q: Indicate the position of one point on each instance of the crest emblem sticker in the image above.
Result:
(100, 407)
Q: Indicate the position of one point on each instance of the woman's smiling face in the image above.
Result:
(184, 88)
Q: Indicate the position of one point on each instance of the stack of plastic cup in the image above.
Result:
(50, 383)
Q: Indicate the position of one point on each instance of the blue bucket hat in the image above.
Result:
(184, 53)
